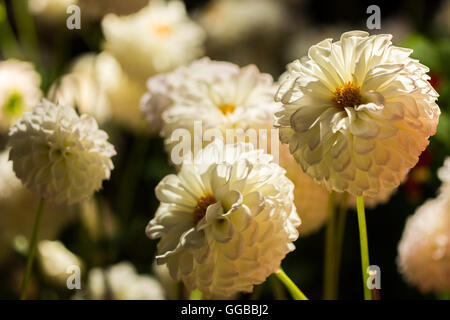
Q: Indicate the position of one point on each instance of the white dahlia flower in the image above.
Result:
(55, 261)
(19, 91)
(311, 199)
(226, 220)
(158, 38)
(122, 282)
(60, 155)
(220, 95)
(357, 113)
(424, 250)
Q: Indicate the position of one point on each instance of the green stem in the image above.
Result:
(295, 292)
(9, 46)
(329, 263)
(363, 245)
(196, 295)
(342, 218)
(32, 249)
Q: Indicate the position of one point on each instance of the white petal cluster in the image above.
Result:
(357, 112)
(158, 38)
(56, 262)
(19, 91)
(424, 250)
(60, 155)
(219, 94)
(311, 199)
(226, 220)
(122, 282)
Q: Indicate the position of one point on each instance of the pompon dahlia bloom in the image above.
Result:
(60, 155)
(219, 94)
(226, 220)
(357, 112)
(311, 199)
(19, 91)
(424, 250)
(158, 38)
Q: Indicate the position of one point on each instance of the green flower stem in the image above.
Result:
(342, 218)
(196, 295)
(363, 245)
(8, 43)
(295, 292)
(330, 258)
(32, 249)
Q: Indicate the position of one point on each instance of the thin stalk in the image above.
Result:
(329, 261)
(295, 292)
(196, 295)
(32, 249)
(8, 42)
(363, 245)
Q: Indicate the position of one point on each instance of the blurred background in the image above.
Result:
(106, 235)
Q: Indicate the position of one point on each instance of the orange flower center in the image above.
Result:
(347, 96)
(227, 108)
(163, 30)
(203, 203)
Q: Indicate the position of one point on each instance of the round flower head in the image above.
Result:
(424, 250)
(19, 91)
(158, 38)
(218, 96)
(226, 220)
(311, 199)
(122, 282)
(357, 113)
(60, 155)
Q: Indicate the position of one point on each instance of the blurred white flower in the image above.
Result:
(122, 282)
(311, 199)
(19, 91)
(444, 175)
(226, 220)
(16, 204)
(98, 8)
(54, 260)
(357, 113)
(60, 155)
(424, 250)
(158, 38)
(220, 95)
(50, 10)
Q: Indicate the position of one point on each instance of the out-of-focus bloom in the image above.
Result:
(55, 261)
(357, 113)
(158, 38)
(311, 199)
(50, 10)
(424, 250)
(60, 155)
(19, 91)
(226, 220)
(98, 8)
(220, 95)
(444, 175)
(16, 203)
(86, 86)
(122, 282)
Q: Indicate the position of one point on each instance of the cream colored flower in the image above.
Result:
(51, 10)
(311, 199)
(60, 155)
(122, 282)
(19, 91)
(158, 38)
(226, 220)
(98, 8)
(424, 250)
(220, 95)
(56, 261)
(16, 204)
(357, 113)
(444, 175)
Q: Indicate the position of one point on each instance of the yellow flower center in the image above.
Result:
(347, 96)
(163, 30)
(227, 108)
(14, 105)
(203, 203)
